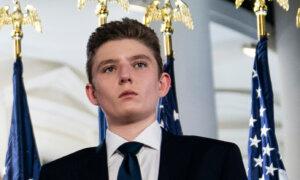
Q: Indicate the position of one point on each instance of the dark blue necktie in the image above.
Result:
(130, 169)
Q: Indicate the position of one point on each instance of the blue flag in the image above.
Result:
(22, 160)
(102, 125)
(167, 114)
(263, 153)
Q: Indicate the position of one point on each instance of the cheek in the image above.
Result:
(101, 92)
(103, 84)
(152, 90)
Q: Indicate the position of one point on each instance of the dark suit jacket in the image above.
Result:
(182, 158)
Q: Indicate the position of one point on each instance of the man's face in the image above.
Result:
(125, 81)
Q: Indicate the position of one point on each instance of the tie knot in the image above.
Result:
(130, 148)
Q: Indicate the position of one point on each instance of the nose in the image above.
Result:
(125, 74)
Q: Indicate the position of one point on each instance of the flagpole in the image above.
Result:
(167, 28)
(17, 33)
(102, 13)
(261, 9)
(298, 19)
(102, 9)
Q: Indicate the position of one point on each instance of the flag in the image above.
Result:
(22, 160)
(263, 153)
(167, 113)
(102, 125)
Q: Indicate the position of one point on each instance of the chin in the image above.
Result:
(130, 114)
(133, 115)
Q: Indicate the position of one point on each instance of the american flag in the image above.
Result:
(22, 159)
(167, 114)
(265, 162)
(102, 125)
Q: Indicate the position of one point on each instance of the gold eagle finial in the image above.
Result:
(123, 3)
(261, 9)
(17, 19)
(283, 3)
(167, 14)
(101, 10)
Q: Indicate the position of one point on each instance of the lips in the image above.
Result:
(127, 93)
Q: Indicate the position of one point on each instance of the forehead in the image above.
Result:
(123, 48)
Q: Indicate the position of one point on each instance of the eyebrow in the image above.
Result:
(114, 61)
(104, 62)
(140, 56)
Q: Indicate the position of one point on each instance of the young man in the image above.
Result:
(125, 75)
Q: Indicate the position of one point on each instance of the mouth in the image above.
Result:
(127, 93)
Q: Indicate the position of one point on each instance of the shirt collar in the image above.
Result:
(150, 136)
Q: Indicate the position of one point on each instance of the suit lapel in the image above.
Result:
(174, 158)
(163, 166)
(97, 167)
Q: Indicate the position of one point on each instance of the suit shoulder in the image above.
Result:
(74, 166)
(226, 156)
(205, 143)
(73, 157)
(207, 158)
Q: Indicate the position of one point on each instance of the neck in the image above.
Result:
(130, 130)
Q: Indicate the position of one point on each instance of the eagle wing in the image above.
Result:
(182, 13)
(124, 4)
(238, 3)
(32, 17)
(4, 16)
(284, 4)
(81, 3)
(153, 13)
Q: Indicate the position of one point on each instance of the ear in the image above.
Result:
(90, 92)
(164, 84)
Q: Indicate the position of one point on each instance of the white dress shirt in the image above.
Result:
(148, 156)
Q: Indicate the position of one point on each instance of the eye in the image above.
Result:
(108, 69)
(140, 65)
